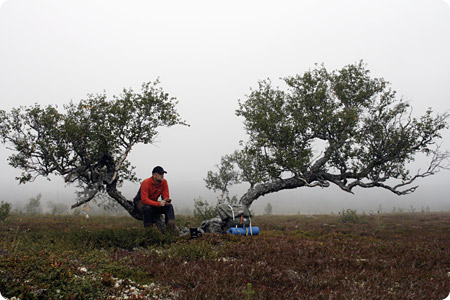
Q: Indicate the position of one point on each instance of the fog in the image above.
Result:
(208, 55)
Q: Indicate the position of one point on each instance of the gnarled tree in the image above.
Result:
(341, 127)
(89, 142)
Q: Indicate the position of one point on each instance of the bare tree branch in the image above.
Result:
(89, 198)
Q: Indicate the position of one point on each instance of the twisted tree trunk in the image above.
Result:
(266, 188)
(128, 205)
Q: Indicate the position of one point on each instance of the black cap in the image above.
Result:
(158, 170)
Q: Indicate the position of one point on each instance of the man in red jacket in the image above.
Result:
(147, 199)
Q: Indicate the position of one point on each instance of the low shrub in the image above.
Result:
(203, 210)
(349, 216)
(5, 209)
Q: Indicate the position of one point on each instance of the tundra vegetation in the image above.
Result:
(380, 256)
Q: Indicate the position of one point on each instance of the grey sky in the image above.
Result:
(208, 54)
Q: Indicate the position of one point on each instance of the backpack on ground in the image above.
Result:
(235, 215)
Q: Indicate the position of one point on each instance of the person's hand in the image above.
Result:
(162, 203)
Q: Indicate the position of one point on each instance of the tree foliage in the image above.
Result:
(88, 142)
(34, 205)
(223, 178)
(341, 127)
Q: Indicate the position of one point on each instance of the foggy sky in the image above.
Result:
(208, 54)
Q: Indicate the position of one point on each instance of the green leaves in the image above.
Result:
(89, 141)
(225, 177)
(343, 127)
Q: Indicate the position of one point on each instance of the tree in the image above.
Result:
(34, 205)
(221, 180)
(89, 142)
(268, 209)
(341, 127)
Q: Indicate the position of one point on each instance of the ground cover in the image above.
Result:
(391, 256)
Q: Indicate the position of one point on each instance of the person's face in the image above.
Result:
(158, 178)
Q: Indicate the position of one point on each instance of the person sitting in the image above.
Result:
(146, 200)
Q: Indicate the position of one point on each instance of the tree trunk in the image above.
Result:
(270, 187)
(215, 225)
(112, 191)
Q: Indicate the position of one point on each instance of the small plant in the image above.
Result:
(248, 292)
(5, 209)
(348, 216)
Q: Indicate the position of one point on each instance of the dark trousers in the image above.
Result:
(153, 213)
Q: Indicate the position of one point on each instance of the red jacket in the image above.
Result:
(150, 192)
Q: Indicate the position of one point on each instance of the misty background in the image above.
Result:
(208, 54)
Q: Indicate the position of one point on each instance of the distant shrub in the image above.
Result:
(203, 210)
(34, 205)
(349, 216)
(57, 208)
(5, 209)
(268, 209)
